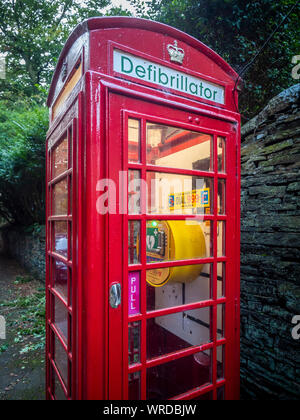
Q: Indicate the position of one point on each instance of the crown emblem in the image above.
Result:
(176, 54)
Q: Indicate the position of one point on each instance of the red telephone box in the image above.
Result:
(143, 188)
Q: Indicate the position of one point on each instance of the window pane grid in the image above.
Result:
(59, 246)
(172, 146)
(60, 156)
(220, 363)
(143, 266)
(191, 172)
(170, 311)
(61, 358)
(60, 238)
(63, 301)
(58, 257)
(60, 280)
(161, 169)
(59, 389)
(199, 293)
(134, 340)
(205, 393)
(200, 374)
(174, 356)
(70, 156)
(192, 328)
(70, 194)
(221, 154)
(66, 347)
(134, 136)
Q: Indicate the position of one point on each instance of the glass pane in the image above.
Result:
(49, 203)
(170, 333)
(134, 343)
(134, 234)
(179, 194)
(161, 382)
(60, 198)
(134, 293)
(59, 394)
(60, 238)
(70, 335)
(134, 192)
(221, 239)
(221, 196)
(134, 147)
(220, 362)
(221, 280)
(61, 318)
(221, 394)
(60, 278)
(195, 286)
(221, 154)
(177, 148)
(175, 240)
(61, 360)
(60, 158)
(134, 386)
(220, 321)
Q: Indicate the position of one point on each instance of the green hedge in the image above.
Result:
(22, 164)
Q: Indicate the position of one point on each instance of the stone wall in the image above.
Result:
(270, 250)
(27, 247)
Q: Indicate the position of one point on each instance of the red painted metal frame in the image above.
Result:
(100, 339)
(70, 304)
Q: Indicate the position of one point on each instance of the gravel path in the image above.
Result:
(22, 370)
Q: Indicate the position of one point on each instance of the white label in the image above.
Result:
(149, 72)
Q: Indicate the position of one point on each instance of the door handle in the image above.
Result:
(115, 295)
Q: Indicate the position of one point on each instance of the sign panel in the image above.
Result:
(133, 293)
(150, 72)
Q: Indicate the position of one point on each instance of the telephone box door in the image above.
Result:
(173, 253)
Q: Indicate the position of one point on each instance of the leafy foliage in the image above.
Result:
(30, 321)
(32, 34)
(22, 164)
(237, 29)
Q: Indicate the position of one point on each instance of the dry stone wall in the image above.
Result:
(27, 247)
(270, 250)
